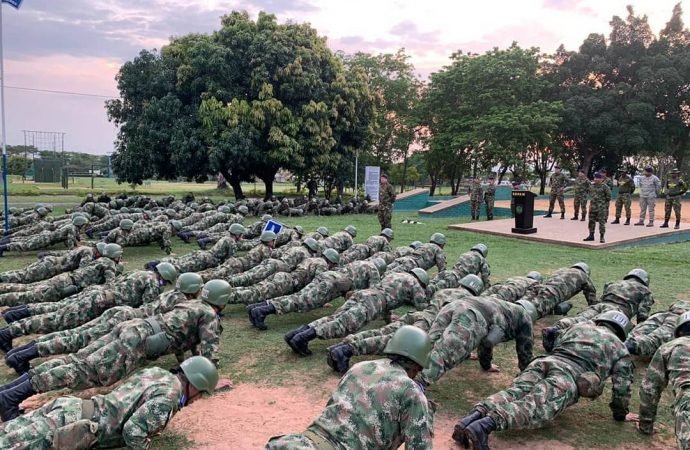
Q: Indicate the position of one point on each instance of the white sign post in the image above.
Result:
(372, 176)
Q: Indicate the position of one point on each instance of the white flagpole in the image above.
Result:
(4, 134)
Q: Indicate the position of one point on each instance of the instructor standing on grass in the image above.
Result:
(386, 200)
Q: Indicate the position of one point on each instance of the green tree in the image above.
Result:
(18, 165)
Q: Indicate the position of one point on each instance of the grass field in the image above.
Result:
(250, 356)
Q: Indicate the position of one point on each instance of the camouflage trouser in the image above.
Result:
(47, 267)
(360, 309)
(585, 315)
(385, 214)
(34, 430)
(259, 273)
(357, 252)
(681, 411)
(72, 340)
(553, 196)
(508, 293)
(46, 292)
(580, 203)
(672, 203)
(107, 225)
(373, 342)
(651, 334)
(455, 333)
(623, 200)
(315, 295)
(404, 264)
(291, 442)
(229, 268)
(545, 300)
(102, 363)
(193, 262)
(38, 242)
(475, 207)
(279, 284)
(600, 216)
(489, 201)
(76, 313)
(538, 395)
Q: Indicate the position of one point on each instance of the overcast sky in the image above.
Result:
(78, 45)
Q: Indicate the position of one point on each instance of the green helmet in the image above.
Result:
(176, 224)
(583, 267)
(311, 244)
(243, 210)
(411, 342)
(80, 221)
(124, 210)
(530, 308)
(112, 251)
(482, 249)
(388, 233)
(216, 292)
(189, 283)
(100, 247)
(224, 209)
(126, 224)
(266, 217)
(472, 283)
(299, 230)
(380, 264)
(42, 211)
(351, 230)
(268, 236)
(416, 244)
(323, 231)
(201, 373)
(640, 274)
(112, 204)
(167, 271)
(536, 276)
(421, 275)
(619, 321)
(438, 239)
(39, 205)
(171, 213)
(331, 255)
(682, 320)
(237, 229)
(194, 205)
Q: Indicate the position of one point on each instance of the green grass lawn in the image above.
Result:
(250, 356)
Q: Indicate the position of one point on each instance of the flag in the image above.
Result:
(15, 3)
(274, 226)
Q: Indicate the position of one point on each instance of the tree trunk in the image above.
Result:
(235, 183)
(268, 176)
(404, 175)
(542, 177)
(502, 173)
(432, 189)
(587, 161)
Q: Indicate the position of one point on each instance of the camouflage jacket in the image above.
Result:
(150, 232)
(626, 185)
(675, 188)
(670, 364)
(630, 296)
(475, 191)
(490, 192)
(558, 182)
(511, 289)
(287, 235)
(377, 244)
(363, 274)
(400, 288)
(386, 195)
(293, 256)
(590, 348)
(582, 186)
(473, 262)
(429, 255)
(255, 256)
(600, 195)
(567, 283)
(135, 288)
(377, 406)
(191, 325)
(138, 409)
(356, 252)
(340, 241)
(74, 259)
(401, 252)
(308, 269)
(225, 248)
(99, 271)
(163, 304)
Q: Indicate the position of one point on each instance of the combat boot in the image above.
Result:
(16, 313)
(583, 218)
(562, 309)
(151, 265)
(548, 338)
(677, 226)
(2, 250)
(19, 359)
(459, 430)
(601, 238)
(41, 255)
(590, 237)
(292, 333)
(259, 315)
(617, 221)
(250, 308)
(12, 397)
(627, 221)
(300, 342)
(203, 242)
(339, 356)
(477, 432)
(89, 233)
(574, 217)
(632, 347)
(5, 240)
(5, 339)
(548, 215)
(184, 236)
(665, 224)
(562, 215)
(491, 217)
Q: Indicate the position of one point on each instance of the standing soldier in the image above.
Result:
(558, 182)
(490, 197)
(626, 187)
(598, 207)
(650, 186)
(386, 200)
(675, 189)
(476, 193)
(581, 190)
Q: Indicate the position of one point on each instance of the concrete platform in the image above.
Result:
(571, 233)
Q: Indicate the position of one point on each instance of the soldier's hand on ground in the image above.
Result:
(632, 417)
(474, 356)
(224, 384)
(494, 369)
(395, 317)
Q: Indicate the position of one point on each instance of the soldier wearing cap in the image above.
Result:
(598, 207)
(386, 200)
(558, 182)
(490, 197)
(673, 191)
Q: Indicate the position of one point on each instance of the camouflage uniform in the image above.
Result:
(425, 256)
(117, 354)
(340, 241)
(328, 286)
(473, 262)
(511, 289)
(130, 415)
(489, 199)
(626, 187)
(24, 219)
(357, 252)
(630, 297)
(386, 200)
(99, 271)
(49, 267)
(281, 283)
(561, 286)
(558, 182)
(581, 191)
(675, 189)
(670, 364)
(599, 208)
(375, 406)
(394, 290)
(548, 385)
(651, 334)
(132, 290)
(145, 234)
(31, 229)
(69, 234)
(233, 266)
(476, 193)
(287, 263)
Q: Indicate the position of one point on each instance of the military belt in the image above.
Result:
(319, 441)
(88, 409)
(154, 324)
